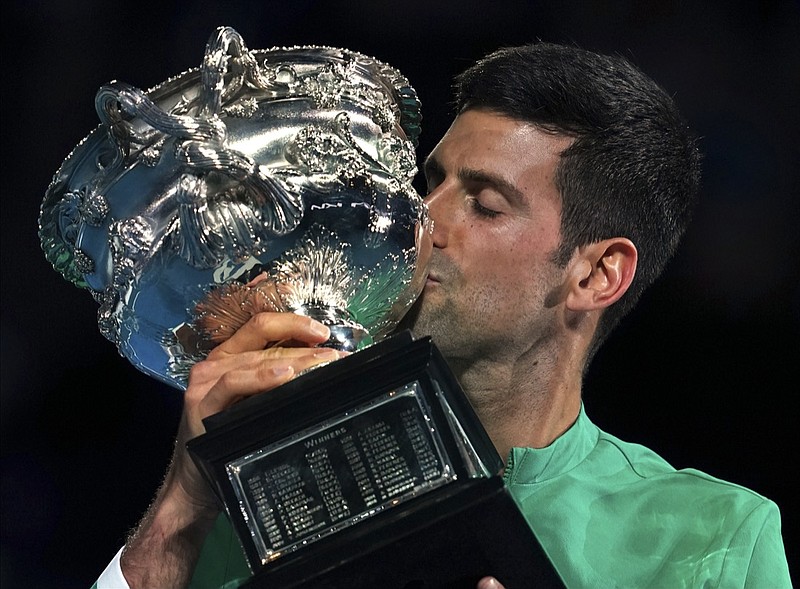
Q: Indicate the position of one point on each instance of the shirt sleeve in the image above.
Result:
(111, 577)
(758, 544)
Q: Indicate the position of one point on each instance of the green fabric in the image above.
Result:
(222, 563)
(612, 514)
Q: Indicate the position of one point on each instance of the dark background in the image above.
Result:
(704, 372)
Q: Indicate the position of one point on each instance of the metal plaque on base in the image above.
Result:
(372, 471)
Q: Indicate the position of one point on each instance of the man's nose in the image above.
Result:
(440, 210)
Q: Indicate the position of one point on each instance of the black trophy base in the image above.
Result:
(387, 437)
(448, 539)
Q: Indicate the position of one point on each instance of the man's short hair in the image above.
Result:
(634, 168)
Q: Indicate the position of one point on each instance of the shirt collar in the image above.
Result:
(534, 465)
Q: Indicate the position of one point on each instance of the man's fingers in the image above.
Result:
(211, 369)
(241, 366)
(258, 372)
(206, 373)
(264, 329)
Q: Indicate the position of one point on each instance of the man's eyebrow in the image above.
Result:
(503, 186)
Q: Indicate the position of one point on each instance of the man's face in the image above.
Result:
(496, 214)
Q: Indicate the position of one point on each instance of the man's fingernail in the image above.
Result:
(282, 370)
(318, 328)
(327, 354)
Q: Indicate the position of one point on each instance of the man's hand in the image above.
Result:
(164, 549)
(246, 364)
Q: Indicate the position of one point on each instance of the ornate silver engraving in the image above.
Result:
(291, 160)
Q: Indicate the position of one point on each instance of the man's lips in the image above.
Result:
(441, 270)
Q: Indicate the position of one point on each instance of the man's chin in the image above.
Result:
(409, 320)
(426, 317)
(422, 315)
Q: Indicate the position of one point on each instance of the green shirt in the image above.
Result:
(613, 514)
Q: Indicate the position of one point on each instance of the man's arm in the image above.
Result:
(758, 553)
(164, 548)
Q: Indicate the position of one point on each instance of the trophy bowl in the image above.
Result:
(264, 180)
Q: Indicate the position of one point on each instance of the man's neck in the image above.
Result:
(529, 403)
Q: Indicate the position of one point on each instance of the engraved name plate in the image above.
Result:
(339, 472)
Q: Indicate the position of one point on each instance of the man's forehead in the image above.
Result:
(492, 131)
(516, 157)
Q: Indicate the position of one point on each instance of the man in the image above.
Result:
(558, 194)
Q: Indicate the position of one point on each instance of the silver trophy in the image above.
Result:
(264, 180)
(280, 180)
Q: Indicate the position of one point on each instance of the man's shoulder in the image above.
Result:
(651, 470)
(642, 522)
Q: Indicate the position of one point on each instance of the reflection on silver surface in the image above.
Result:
(284, 171)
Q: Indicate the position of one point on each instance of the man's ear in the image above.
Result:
(600, 273)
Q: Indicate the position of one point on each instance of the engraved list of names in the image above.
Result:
(349, 468)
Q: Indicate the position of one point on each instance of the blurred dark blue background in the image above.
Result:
(704, 371)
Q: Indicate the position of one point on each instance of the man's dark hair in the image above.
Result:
(634, 168)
